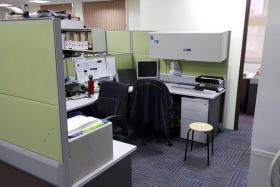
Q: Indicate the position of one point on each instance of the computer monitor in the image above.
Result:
(148, 69)
(127, 75)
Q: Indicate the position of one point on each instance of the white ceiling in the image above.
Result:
(20, 2)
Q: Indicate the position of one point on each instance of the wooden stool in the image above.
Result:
(201, 127)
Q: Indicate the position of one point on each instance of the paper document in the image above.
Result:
(96, 67)
(81, 70)
(101, 68)
(111, 67)
(92, 68)
(79, 122)
(175, 68)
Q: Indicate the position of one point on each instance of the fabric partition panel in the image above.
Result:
(140, 47)
(118, 42)
(123, 61)
(29, 105)
(196, 68)
(69, 68)
(140, 42)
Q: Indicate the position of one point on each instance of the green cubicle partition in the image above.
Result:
(131, 46)
(31, 128)
(118, 42)
(123, 61)
(29, 109)
(69, 68)
(140, 46)
(196, 68)
(119, 45)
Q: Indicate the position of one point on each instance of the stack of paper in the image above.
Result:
(80, 122)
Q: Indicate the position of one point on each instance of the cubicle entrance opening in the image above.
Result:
(250, 59)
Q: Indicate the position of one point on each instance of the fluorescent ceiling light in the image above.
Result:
(5, 5)
(39, 1)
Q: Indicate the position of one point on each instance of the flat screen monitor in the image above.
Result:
(127, 75)
(148, 69)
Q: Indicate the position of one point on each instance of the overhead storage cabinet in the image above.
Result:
(190, 46)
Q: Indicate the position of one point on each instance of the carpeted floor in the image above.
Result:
(155, 164)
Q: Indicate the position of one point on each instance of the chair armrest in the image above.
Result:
(113, 117)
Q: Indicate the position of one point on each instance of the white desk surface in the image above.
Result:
(120, 151)
(181, 90)
(173, 88)
(79, 103)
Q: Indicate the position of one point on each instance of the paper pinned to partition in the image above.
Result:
(97, 67)
(92, 68)
(81, 70)
(101, 68)
(111, 67)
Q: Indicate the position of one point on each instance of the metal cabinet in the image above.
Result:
(200, 110)
(192, 46)
(193, 110)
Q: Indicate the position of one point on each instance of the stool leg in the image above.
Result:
(212, 142)
(187, 145)
(192, 140)
(207, 149)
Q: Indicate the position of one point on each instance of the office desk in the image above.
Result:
(116, 172)
(174, 88)
(83, 102)
(185, 90)
(198, 106)
(80, 103)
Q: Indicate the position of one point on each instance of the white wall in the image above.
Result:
(251, 67)
(202, 15)
(266, 131)
(133, 14)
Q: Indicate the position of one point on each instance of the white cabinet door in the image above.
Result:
(194, 46)
(193, 110)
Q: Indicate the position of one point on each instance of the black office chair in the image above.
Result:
(151, 108)
(112, 105)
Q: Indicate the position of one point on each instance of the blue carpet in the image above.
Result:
(155, 164)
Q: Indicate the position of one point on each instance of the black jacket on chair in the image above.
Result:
(151, 106)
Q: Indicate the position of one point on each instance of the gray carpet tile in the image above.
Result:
(156, 164)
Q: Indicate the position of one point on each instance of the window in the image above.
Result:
(256, 31)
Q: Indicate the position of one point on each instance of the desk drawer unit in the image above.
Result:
(193, 110)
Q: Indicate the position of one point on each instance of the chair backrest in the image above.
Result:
(116, 91)
(151, 101)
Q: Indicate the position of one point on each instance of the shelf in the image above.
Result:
(80, 50)
(77, 30)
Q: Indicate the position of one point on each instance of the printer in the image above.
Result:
(209, 83)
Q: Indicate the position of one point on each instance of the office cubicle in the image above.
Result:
(33, 128)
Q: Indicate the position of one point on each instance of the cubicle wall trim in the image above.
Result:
(64, 175)
(226, 68)
(262, 153)
(30, 162)
(131, 42)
